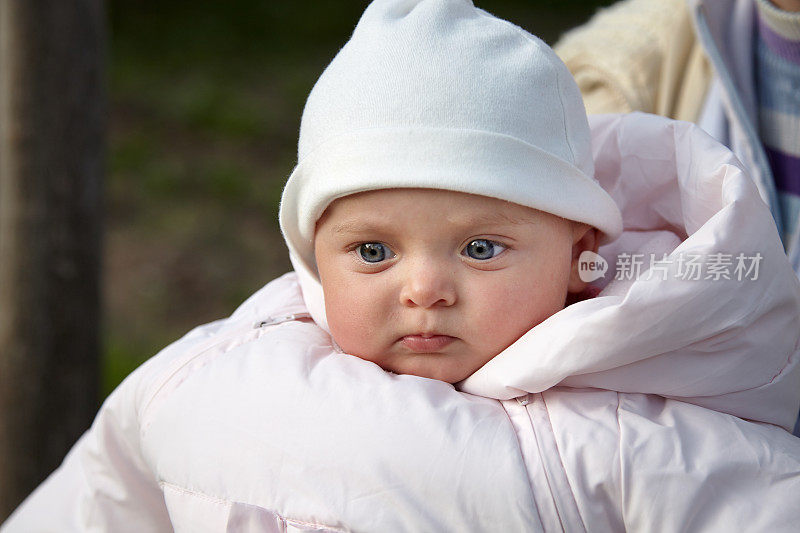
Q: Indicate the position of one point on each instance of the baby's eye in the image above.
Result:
(482, 249)
(374, 252)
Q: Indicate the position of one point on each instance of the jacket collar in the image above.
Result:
(726, 30)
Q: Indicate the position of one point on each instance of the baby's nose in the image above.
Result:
(428, 285)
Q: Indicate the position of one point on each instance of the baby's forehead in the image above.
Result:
(434, 206)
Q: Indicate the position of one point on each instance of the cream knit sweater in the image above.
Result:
(639, 55)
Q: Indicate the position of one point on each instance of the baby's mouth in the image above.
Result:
(426, 342)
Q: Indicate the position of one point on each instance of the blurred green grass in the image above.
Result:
(206, 99)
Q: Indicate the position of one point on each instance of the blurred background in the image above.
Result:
(205, 104)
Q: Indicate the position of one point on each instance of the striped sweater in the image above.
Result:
(778, 82)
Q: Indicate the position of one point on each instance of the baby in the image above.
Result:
(445, 190)
(474, 146)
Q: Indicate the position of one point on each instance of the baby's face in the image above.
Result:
(436, 283)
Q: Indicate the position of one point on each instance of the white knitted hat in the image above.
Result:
(439, 94)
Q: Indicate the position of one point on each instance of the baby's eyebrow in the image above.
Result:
(498, 218)
(354, 227)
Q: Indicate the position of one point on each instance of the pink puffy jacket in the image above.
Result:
(660, 405)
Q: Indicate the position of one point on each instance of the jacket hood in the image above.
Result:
(727, 340)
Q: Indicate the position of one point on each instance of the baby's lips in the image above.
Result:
(426, 342)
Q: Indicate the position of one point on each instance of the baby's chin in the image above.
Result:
(440, 367)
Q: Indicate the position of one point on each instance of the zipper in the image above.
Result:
(273, 321)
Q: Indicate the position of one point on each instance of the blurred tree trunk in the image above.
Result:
(52, 144)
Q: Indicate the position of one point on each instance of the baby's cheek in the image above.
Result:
(518, 309)
(351, 324)
(339, 310)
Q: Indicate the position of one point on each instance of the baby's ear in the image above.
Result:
(584, 237)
